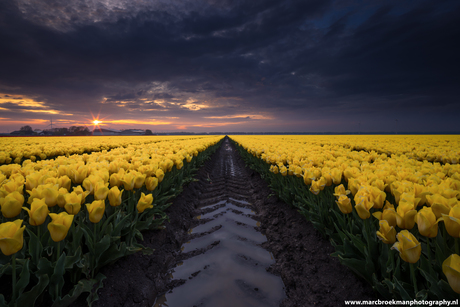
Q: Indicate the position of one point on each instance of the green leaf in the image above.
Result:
(100, 248)
(71, 260)
(44, 267)
(35, 246)
(84, 285)
(357, 266)
(24, 278)
(57, 279)
(92, 297)
(402, 289)
(29, 298)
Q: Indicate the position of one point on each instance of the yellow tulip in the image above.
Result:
(452, 221)
(336, 175)
(151, 183)
(363, 206)
(128, 181)
(386, 233)
(64, 182)
(405, 215)
(451, 268)
(139, 180)
(32, 181)
(283, 170)
(388, 214)
(408, 247)
(96, 210)
(426, 222)
(72, 203)
(160, 174)
(38, 212)
(61, 197)
(115, 180)
(145, 202)
(340, 190)
(378, 197)
(77, 174)
(274, 169)
(12, 186)
(50, 193)
(315, 187)
(11, 237)
(344, 204)
(101, 190)
(79, 191)
(115, 196)
(307, 176)
(60, 225)
(12, 204)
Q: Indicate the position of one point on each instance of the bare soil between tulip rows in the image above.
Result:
(302, 258)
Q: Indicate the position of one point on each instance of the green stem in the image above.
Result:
(428, 248)
(13, 261)
(412, 274)
(58, 250)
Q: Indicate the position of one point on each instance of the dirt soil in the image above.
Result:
(310, 275)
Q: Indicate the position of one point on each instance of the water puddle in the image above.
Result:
(228, 267)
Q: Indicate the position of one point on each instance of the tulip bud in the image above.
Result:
(60, 225)
(408, 247)
(38, 212)
(451, 268)
(11, 237)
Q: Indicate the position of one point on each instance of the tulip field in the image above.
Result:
(73, 205)
(388, 204)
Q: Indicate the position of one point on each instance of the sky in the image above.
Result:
(231, 65)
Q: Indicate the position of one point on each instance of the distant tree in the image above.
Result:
(79, 130)
(148, 132)
(26, 130)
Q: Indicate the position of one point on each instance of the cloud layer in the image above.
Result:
(208, 65)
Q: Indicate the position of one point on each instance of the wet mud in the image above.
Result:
(231, 242)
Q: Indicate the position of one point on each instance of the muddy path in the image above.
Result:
(231, 242)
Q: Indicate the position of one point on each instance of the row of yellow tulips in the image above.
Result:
(93, 207)
(18, 149)
(398, 191)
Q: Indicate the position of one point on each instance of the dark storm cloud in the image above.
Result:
(296, 59)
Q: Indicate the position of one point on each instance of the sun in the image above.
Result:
(97, 122)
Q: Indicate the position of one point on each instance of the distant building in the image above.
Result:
(133, 132)
(106, 131)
